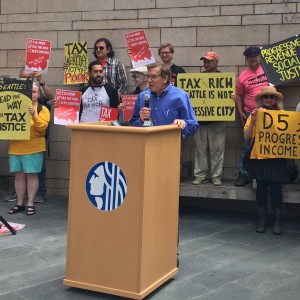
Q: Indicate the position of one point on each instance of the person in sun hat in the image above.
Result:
(248, 85)
(210, 138)
(269, 173)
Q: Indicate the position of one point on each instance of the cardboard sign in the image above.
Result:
(15, 99)
(77, 59)
(210, 94)
(108, 113)
(128, 105)
(277, 134)
(281, 61)
(67, 111)
(141, 54)
(37, 55)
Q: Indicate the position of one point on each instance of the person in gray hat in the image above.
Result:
(249, 84)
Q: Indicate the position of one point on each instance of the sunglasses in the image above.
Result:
(269, 97)
(99, 48)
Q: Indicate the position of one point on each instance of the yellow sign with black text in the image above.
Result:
(15, 99)
(210, 94)
(277, 134)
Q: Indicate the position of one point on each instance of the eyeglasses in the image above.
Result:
(135, 76)
(269, 97)
(154, 76)
(99, 48)
(164, 53)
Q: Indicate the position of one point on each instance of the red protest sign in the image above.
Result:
(37, 55)
(67, 111)
(128, 105)
(141, 54)
(108, 113)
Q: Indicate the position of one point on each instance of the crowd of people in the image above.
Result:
(167, 104)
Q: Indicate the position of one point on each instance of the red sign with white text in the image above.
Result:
(128, 105)
(37, 55)
(108, 113)
(67, 111)
(141, 54)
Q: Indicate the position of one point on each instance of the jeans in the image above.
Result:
(245, 147)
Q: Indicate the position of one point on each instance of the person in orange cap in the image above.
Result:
(210, 138)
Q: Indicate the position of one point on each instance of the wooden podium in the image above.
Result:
(131, 250)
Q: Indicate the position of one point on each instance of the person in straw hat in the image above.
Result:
(269, 173)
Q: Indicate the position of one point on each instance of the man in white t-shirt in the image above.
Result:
(96, 94)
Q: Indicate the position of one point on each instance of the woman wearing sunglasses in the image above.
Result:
(269, 173)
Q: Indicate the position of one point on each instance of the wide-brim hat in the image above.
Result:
(269, 90)
(142, 70)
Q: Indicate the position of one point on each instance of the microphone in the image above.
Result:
(147, 122)
(147, 100)
(120, 123)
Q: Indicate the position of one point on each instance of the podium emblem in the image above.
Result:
(106, 186)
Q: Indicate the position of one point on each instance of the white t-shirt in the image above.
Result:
(92, 100)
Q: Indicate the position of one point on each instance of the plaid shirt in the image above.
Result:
(115, 75)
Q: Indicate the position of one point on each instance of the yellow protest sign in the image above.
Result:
(210, 94)
(15, 99)
(77, 59)
(277, 134)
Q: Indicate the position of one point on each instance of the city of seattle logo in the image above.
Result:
(106, 186)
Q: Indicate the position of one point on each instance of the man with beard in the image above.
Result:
(96, 94)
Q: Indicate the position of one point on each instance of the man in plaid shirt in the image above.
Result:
(114, 69)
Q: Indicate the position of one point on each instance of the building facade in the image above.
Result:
(193, 26)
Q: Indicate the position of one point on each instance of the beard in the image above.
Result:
(97, 81)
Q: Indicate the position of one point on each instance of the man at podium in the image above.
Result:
(163, 103)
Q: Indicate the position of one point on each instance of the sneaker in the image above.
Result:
(11, 198)
(242, 180)
(39, 198)
(216, 181)
(200, 180)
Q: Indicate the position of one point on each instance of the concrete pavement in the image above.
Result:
(221, 257)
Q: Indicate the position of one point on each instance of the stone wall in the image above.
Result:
(193, 26)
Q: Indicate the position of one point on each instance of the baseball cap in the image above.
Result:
(210, 56)
(251, 50)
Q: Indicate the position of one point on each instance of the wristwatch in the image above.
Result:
(42, 83)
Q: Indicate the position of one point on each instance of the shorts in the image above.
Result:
(28, 163)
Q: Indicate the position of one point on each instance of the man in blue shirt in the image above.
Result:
(167, 104)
